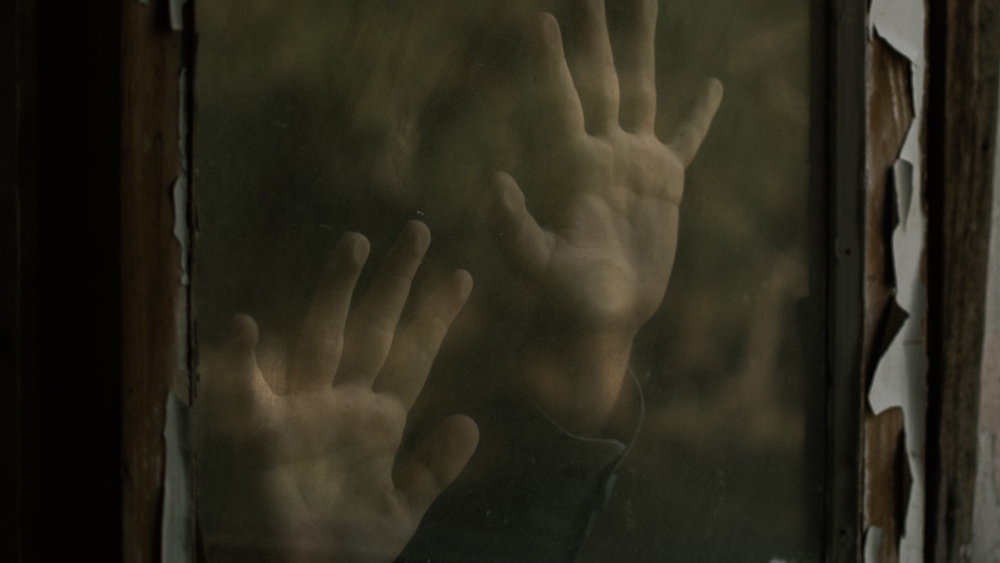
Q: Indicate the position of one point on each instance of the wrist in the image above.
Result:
(577, 377)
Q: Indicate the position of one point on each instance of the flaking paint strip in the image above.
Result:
(986, 506)
(177, 540)
(177, 14)
(177, 543)
(900, 374)
(873, 543)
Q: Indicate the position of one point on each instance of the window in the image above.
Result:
(181, 162)
(319, 118)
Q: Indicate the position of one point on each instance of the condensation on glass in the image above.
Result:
(522, 161)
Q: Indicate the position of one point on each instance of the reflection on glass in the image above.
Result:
(488, 365)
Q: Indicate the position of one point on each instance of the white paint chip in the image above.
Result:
(177, 14)
(898, 379)
(985, 547)
(900, 375)
(986, 510)
(901, 24)
(873, 543)
(177, 543)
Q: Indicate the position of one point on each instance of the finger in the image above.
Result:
(519, 236)
(370, 327)
(321, 340)
(693, 129)
(593, 66)
(241, 345)
(437, 462)
(416, 345)
(560, 103)
(637, 68)
(235, 381)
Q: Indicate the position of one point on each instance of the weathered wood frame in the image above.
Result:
(838, 162)
(155, 299)
(964, 61)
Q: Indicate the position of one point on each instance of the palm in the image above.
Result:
(321, 471)
(307, 474)
(605, 249)
(613, 242)
(342, 469)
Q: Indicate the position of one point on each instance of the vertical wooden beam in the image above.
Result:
(845, 276)
(964, 49)
(153, 295)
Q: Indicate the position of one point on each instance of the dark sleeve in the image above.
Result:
(530, 493)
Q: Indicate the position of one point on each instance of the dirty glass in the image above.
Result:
(507, 280)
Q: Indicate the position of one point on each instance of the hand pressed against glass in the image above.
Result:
(307, 474)
(601, 260)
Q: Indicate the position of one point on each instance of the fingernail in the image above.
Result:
(357, 248)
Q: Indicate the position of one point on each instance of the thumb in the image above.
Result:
(519, 236)
(692, 131)
(437, 462)
(223, 369)
(234, 378)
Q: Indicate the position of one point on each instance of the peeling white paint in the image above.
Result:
(901, 24)
(873, 543)
(985, 546)
(900, 376)
(177, 14)
(177, 543)
(986, 511)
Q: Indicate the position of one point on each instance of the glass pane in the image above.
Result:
(609, 415)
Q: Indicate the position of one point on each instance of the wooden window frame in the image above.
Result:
(964, 63)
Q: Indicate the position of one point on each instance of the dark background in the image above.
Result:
(67, 398)
(8, 277)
